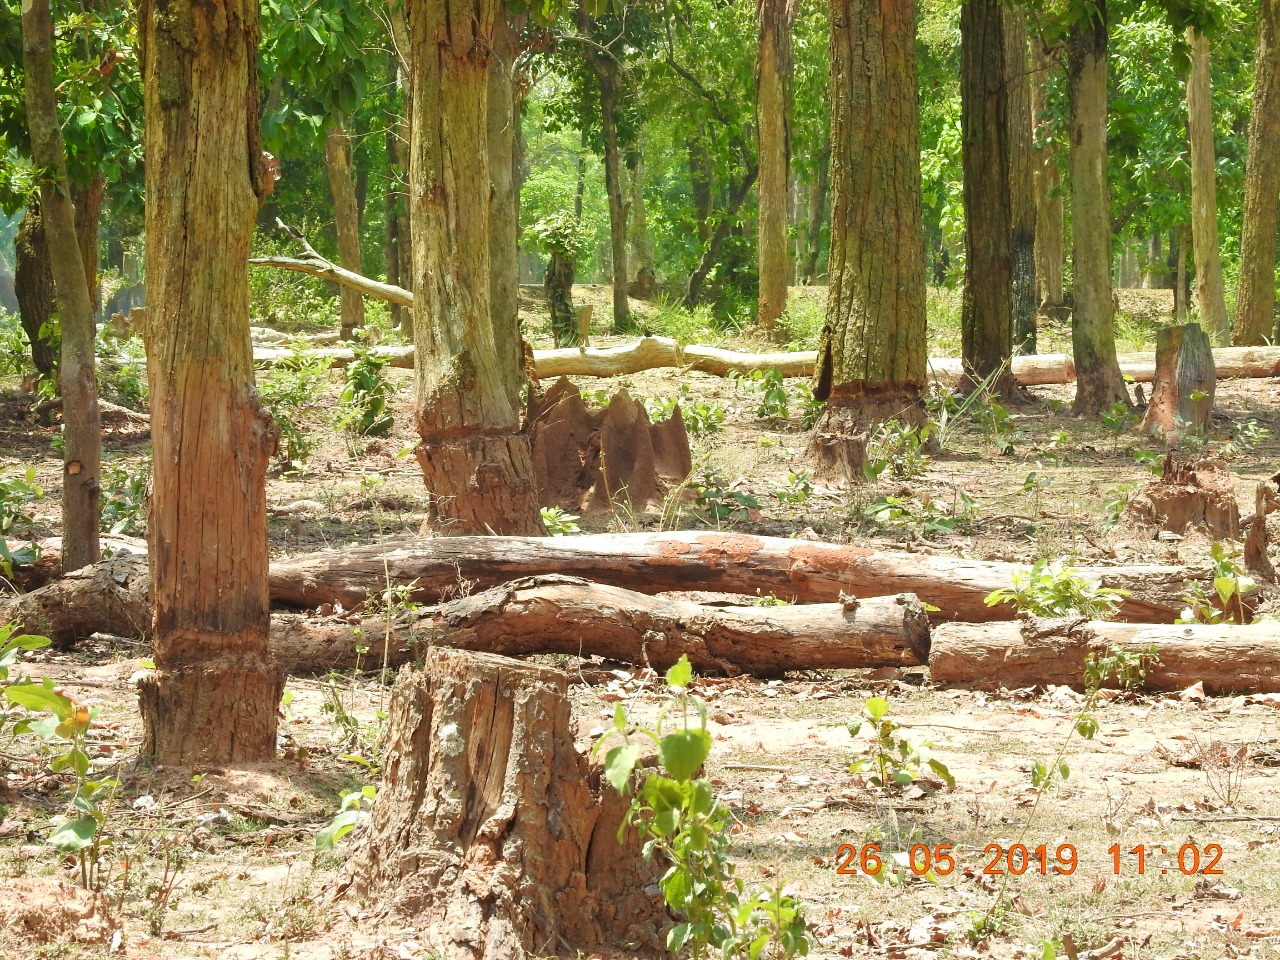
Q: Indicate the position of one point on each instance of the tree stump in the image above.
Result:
(491, 831)
(1184, 385)
(587, 461)
(1191, 495)
(1256, 541)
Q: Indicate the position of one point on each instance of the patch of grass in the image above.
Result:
(943, 307)
(685, 326)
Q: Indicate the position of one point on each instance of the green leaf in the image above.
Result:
(619, 764)
(877, 707)
(683, 752)
(39, 697)
(74, 835)
(681, 673)
(338, 828)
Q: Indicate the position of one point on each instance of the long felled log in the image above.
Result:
(697, 560)
(1225, 657)
(558, 614)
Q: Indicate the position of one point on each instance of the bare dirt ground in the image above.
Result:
(214, 863)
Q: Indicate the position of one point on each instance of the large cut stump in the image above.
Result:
(1191, 496)
(1184, 385)
(1225, 657)
(558, 614)
(491, 832)
(588, 461)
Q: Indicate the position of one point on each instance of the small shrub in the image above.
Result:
(366, 397)
(898, 448)
(1225, 602)
(559, 523)
(893, 759)
(721, 501)
(797, 489)
(1053, 589)
(15, 494)
(124, 498)
(291, 391)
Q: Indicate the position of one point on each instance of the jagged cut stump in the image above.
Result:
(1191, 495)
(490, 830)
(1185, 381)
(587, 461)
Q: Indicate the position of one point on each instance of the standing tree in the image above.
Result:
(987, 318)
(82, 432)
(1099, 382)
(1048, 182)
(475, 459)
(871, 356)
(215, 692)
(1210, 296)
(775, 19)
(1022, 184)
(1256, 296)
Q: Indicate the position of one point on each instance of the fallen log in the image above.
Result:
(1225, 657)
(569, 615)
(1230, 363)
(112, 596)
(802, 570)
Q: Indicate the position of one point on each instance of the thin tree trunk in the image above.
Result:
(1181, 285)
(33, 285)
(475, 460)
(773, 130)
(215, 692)
(1256, 294)
(700, 183)
(399, 157)
(987, 315)
(1210, 297)
(1048, 178)
(81, 431)
(817, 213)
(871, 356)
(1022, 182)
(391, 228)
(87, 200)
(346, 219)
(723, 229)
(1098, 380)
(642, 287)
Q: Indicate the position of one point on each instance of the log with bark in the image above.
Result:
(493, 834)
(569, 615)
(1225, 657)
(801, 570)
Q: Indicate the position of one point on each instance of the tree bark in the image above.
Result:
(87, 200)
(1227, 658)
(871, 356)
(491, 832)
(215, 692)
(1022, 180)
(81, 430)
(569, 615)
(1256, 295)
(558, 285)
(1048, 180)
(1210, 297)
(475, 461)
(33, 285)
(733, 563)
(817, 214)
(644, 284)
(1184, 384)
(987, 314)
(1093, 339)
(700, 184)
(400, 130)
(774, 21)
(504, 214)
(346, 221)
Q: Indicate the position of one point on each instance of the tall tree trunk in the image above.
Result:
(1256, 295)
(504, 211)
(817, 214)
(700, 177)
(723, 229)
(643, 284)
(391, 228)
(215, 692)
(1099, 383)
(1022, 181)
(1050, 231)
(87, 200)
(346, 221)
(987, 316)
(400, 128)
(871, 356)
(33, 285)
(1210, 297)
(475, 460)
(81, 430)
(773, 130)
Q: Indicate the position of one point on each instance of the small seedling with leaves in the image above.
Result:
(682, 821)
(15, 494)
(893, 759)
(1226, 604)
(353, 811)
(1054, 589)
(559, 523)
(898, 448)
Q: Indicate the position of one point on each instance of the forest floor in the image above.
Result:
(215, 863)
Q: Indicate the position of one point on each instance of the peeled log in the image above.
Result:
(492, 833)
(1225, 657)
(558, 614)
(801, 570)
